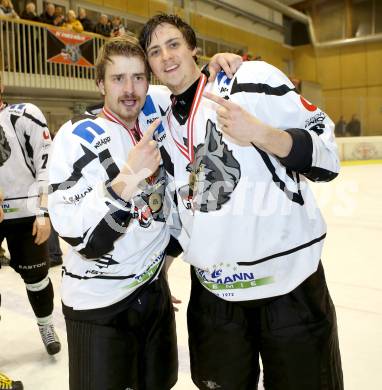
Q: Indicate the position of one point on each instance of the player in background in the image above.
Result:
(24, 153)
(7, 383)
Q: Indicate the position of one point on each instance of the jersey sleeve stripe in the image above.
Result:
(260, 88)
(76, 175)
(35, 120)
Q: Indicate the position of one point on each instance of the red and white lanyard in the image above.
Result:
(188, 150)
(135, 133)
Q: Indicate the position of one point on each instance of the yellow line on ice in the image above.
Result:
(361, 162)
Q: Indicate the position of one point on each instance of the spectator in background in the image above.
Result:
(48, 15)
(117, 27)
(6, 9)
(72, 23)
(59, 17)
(340, 129)
(28, 38)
(85, 21)
(247, 56)
(353, 128)
(29, 12)
(103, 27)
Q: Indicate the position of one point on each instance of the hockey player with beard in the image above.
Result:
(24, 152)
(240, 151)
(108, 201)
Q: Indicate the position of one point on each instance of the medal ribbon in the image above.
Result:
(188, 150)
(135, 133)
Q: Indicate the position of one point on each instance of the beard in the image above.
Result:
(129, 113)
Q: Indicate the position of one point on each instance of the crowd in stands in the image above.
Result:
(54, 15)
(6, 9)
(348, 129)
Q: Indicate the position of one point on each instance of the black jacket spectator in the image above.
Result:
(46, 18)
(29, 13)
(353, 128)
(340, 129)
(29, 16)
(87, 24)
(103, 27)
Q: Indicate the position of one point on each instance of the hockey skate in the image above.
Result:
(50, 338)
(8, 384)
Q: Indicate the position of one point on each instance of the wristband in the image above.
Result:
(112, 194)
(43, 212)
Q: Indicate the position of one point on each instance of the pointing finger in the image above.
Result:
(218, 99)
(149, 133)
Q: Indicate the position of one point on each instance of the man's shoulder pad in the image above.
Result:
(18, 109)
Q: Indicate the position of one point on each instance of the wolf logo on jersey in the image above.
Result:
(5, 149)
(215, 173)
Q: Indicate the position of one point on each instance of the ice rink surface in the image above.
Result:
(352, 206)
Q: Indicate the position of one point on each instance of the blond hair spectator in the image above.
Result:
(72, 23)
(6, 9)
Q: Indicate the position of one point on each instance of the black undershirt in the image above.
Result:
(182, 103)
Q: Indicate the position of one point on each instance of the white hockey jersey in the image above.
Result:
(24, 149)
(113, 251)
(250, 223)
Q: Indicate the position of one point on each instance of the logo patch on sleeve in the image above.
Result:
(309, 106)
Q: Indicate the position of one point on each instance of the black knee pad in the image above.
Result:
(41, 296)
(32, 273)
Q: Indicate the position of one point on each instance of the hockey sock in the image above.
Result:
(40, 296)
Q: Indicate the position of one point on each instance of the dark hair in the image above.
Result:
(149, 27)
(125, 45)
